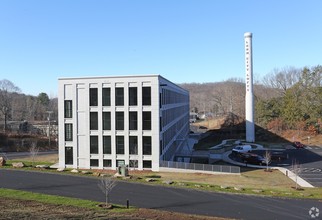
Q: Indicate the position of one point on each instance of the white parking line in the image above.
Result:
(313, 170)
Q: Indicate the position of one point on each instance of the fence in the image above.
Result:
(201, 167)
(4, 155)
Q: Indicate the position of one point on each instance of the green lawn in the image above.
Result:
(56, 200)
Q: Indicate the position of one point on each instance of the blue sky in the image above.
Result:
(182, 40)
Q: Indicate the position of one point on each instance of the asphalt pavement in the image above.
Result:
(309, 159)
(160, 197)
(17, 155)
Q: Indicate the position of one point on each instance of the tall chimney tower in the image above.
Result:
(249, 99)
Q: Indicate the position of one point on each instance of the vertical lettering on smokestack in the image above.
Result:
(249, 99)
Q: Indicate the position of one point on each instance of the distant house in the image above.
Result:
(193, 117)
(206, 115)
(105, 122)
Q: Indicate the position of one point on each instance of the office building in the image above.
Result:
(106, 122)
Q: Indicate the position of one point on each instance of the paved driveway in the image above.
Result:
(164, 198)
(310, 160)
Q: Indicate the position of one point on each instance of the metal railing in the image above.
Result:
(4, 155)
(200, 167)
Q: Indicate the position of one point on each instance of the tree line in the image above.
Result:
(18, 107)
(288, 98)
(299, 103)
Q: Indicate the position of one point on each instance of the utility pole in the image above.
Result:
(49, 113)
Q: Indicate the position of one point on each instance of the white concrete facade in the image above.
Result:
(105, 122)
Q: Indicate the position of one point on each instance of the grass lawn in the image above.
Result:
(56, 200)
(253, 181)
(51, 158)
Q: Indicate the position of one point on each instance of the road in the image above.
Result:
(17, 155)
(162, 198)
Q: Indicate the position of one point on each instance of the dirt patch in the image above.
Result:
(25, 209)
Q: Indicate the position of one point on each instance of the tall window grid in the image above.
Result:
(68, 107)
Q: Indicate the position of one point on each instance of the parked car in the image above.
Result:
(278, 156)
(298, 144)
(253, 159)
(241, 149)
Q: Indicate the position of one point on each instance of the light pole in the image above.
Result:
(49, 113)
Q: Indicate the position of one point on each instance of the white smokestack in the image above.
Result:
(249, 103)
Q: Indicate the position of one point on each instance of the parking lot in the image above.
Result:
(309, 159)
(311, 169)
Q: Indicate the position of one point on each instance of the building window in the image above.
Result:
(94, 162)
(119, 145)
(120, 163)
(119, 96)
(146, 95)
(68, 109)
(94, 144)
(133, 96)
(93, 121)
(133, 121)
(107, 163)
(107, 149)
(68, 132)
(106, 97)
(147, 164)
(133, 163)
(119, 120)
(93, 97)
(68, 155)
(106, 120)
(133, 145)
(147, 145)
(146, 117)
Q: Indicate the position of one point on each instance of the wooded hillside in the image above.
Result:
(284, 99)
(18, 107)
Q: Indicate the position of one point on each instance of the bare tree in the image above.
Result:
(282, 79)
(267, 158)
(33, 151)
(297, 169)
(133, 162)
(7, 88)
(106, 184)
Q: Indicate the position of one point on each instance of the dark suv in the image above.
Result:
(253, 159)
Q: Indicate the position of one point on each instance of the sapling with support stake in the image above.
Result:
(106, 184)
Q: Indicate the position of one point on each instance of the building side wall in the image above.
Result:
(174, 119)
